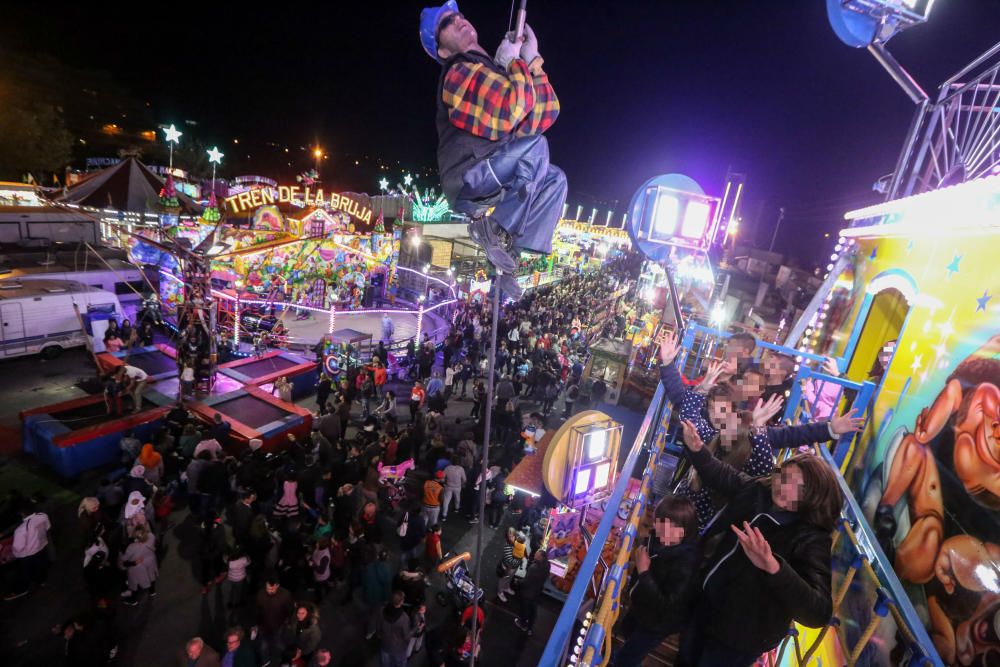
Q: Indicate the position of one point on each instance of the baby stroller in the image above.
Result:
(459, 587)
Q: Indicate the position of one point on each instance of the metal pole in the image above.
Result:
(774, 237)
(898, 73)
(675, 303)
(485, 462)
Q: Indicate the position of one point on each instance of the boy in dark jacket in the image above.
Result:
(664, 587)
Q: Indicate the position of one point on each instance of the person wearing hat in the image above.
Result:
(491, 113)
(432, 497)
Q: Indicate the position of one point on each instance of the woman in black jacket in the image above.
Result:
(662, 593)
(767, 557)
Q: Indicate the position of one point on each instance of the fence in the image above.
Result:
(871, 609)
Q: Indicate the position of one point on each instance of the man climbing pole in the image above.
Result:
(491, 113)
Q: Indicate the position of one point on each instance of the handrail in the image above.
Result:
(592, 648)
(567, 616)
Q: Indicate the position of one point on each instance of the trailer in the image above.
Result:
(38, 316)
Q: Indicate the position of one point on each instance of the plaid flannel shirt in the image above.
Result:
(491, 105)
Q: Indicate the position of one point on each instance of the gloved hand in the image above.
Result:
(529, 45)
(507, 51)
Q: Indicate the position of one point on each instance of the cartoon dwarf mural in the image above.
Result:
(938, 516)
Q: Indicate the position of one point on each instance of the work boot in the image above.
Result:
(489, 236)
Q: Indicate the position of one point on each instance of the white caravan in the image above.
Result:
(37, 316)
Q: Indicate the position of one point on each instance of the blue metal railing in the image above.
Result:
(860, 547)
(556, 647)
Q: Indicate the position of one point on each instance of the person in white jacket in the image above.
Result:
(454, 480)
(31, 539)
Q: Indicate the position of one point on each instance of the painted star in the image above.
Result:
(953, 267)
(173, 134)
(384, 184)
(946, 328)
(941, 350)
(214, 156)
(917, 363)
(983, 300)
(407, 180)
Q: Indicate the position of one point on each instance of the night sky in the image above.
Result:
(645, 87)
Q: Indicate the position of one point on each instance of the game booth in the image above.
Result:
(576, 466)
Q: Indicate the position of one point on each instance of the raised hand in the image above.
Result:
(756, 547)
(712, 375)
(764, 411)
(847, 423)
(691, 438)
(830, 367)
(669, 347)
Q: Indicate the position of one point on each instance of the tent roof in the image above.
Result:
(126, 186)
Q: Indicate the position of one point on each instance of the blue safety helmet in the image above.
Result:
(430, 17)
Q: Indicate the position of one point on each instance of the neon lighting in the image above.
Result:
(514, 489)
(582, 482)
(966, 206)
(173, 134)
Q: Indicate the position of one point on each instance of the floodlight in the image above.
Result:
(665, 214)
(601, 474)
(597, 445)
(695, 219)
(582, 481)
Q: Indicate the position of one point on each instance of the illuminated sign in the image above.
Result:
(301, 196)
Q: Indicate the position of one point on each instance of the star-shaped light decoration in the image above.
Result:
(982, 301)
(214, 156)
(953, 267)
(917, 363)
(173, 134)
(383, 184)
(407, 180)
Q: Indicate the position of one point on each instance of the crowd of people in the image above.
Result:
(287, 536)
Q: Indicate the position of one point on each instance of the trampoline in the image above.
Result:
(154, 363)
(252, 411)
(158, 361)
(79, 435)
(267, 366)
(300, 371)
(87, 415)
